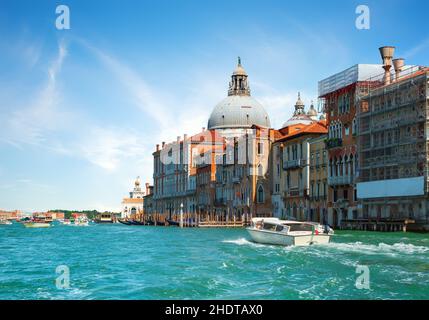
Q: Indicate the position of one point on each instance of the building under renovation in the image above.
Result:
(392, 186)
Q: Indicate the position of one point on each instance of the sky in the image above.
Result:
(81, 110)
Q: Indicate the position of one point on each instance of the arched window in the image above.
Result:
(261, 195)
(354, 126)
(133, 210)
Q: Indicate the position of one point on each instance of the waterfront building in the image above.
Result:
(338, 95)
(243, 187)
(393, 149)
(133, 206)
(318, 179)
(175, 172)
(148, 200)
(10, 215)
(291, 163)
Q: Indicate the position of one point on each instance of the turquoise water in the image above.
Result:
(132, 262)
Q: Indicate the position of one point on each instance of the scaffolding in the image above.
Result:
(393, 129)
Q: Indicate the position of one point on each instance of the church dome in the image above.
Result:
(238, 109)
(238, 112)
(299, 116)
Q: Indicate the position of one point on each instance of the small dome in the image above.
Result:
(299, 102)
(238, 112)
(299, 116)
(300, 119)
(239, 70)
(312, 112)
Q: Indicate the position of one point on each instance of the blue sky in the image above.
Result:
(81, 110)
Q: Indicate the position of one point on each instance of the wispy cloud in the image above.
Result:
(108, 147)
(30, 125)
(416, 49)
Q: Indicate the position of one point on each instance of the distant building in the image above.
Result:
(133, 205)
(318, 179)
(291, 163)
(10, 215)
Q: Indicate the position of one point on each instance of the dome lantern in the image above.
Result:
(239, 85)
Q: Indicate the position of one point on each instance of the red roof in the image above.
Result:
(319, 127)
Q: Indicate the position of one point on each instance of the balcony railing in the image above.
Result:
(297, 163)
(236, 179)
(333, 143)
(340, 180)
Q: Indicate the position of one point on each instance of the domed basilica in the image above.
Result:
(239, 111)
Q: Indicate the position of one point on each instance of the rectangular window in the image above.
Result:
(260, 148)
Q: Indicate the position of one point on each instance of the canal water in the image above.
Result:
(136, 262)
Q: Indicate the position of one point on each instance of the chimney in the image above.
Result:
(387, 56)
(147, 188)
(178, 139)
(399, 65)
(157, 147)
(185, 137)
(163, 144)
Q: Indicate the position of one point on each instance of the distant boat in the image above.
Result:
(105, 218)
(81, 221)
(33, 224)
(5, 222)
(126, 222)
(172, 222)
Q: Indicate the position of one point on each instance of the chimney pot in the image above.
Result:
(387, 53)
(399, 65)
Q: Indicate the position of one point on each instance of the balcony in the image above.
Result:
(333, 143)
(297, 163)
(340, 180)
(236, 180)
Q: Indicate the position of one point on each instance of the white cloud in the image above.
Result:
(108, 147)
(30, 125)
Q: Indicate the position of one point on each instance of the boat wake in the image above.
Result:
(383, 248)
(244, 242)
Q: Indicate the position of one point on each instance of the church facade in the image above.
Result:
(132, 206)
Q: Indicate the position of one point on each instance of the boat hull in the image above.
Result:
(267, 237)
(36, 225)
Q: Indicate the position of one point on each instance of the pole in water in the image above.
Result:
(181, 215)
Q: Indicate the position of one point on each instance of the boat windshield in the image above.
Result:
(273, 227)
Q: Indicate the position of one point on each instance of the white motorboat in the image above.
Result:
(288, 233)
(5, 222)
(81, 221)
